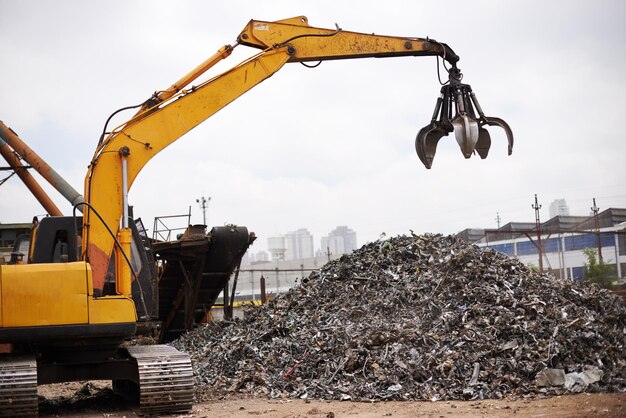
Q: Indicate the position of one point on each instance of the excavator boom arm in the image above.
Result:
(147, 134)
(171, 113)
(318, 44)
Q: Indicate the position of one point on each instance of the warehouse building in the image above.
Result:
(8, 235)
(560, 244)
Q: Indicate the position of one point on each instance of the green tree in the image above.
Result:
(598, 271)
(532, 267)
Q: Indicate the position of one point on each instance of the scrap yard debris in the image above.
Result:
(418, 317)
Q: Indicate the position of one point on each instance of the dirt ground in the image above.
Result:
(95, 399)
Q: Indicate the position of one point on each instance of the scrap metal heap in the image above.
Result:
(418, 318)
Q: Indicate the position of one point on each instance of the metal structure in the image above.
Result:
(16, 165)
(204, 205)
(595, 210)
(161, 231)
(536, 206)
(39, 164)
(193, 272)
(466, 122)
(563, 239)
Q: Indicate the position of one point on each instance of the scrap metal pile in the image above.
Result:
(418, 318)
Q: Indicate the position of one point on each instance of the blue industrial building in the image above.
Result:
(563, 240)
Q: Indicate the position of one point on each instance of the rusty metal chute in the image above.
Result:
(194, 271)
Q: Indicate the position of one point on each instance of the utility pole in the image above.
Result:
(498, 219)
(596, 219)
(536, 207)
(204, 205)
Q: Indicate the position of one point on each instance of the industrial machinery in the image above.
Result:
(68, 312)
(176, 281)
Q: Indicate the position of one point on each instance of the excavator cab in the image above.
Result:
(55, 240)
(466, 122)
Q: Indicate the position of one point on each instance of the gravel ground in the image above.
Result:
(71, 400)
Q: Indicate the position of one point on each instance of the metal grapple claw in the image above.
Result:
(466, 133)
(491, 121)
(426, 142)
(484, 142)
(468, 126)
(428, 137)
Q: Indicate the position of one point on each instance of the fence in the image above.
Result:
(562, 252)
(277, 281)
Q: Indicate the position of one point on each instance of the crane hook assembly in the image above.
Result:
(467, 122)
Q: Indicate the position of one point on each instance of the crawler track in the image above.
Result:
(165, 379)
(18, 386)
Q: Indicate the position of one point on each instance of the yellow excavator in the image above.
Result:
(67, 313)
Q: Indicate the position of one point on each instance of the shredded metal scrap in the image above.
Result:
(418, 318)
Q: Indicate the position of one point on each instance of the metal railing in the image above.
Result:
(163, 232)
(277, 281)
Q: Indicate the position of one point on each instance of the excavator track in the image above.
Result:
(18, 386)
(165, 379)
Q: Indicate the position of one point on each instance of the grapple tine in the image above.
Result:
(465, 126)
(484, 143)
(466, 133)
(426, 143)
(428, 137)
(486, 120)
(491, 121)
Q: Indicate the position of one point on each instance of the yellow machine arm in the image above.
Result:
(171, 113)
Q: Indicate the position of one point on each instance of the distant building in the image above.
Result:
(331, 245)
(299, 244)
(559, 208)
(563, 241)
(253, 258)
(277, 246)
(471, 234)
(341, 240)
(259, 257)
(8, 236)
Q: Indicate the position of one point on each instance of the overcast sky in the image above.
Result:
(334, 145)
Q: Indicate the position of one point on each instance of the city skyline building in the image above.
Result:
(341, 240)
(299, 244)
(559, 207)
(253, 258)
(277, 246)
